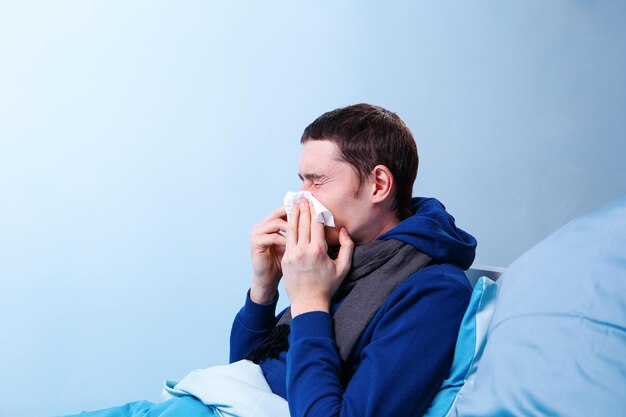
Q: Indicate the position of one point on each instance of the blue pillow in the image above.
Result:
(469, 347)
(557, 341)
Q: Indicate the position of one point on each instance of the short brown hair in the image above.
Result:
(369, 135)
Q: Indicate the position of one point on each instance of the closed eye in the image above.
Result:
(320, 182)
(314, 179)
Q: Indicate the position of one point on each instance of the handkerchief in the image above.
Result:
(322, 214)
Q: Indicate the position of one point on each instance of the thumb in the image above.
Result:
(344, 258)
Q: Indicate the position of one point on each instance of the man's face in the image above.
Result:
(335, 184)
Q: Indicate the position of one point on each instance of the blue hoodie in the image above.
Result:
(404, 353)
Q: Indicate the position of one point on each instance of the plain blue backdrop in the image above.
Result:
(141, 140)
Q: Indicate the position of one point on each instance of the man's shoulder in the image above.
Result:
(435, 279)
(446, 274)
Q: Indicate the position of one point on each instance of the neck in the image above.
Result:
(382, 225)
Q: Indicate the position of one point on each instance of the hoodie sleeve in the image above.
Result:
(406, 357)
(251, 325)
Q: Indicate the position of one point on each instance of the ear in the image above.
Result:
(382, 182)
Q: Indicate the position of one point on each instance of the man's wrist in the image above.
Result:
(262, 295)
(309, 304)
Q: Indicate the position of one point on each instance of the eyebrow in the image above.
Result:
(310, 176)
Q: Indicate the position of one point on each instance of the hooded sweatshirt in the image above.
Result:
(405, 352)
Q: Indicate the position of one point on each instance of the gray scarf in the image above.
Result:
(378, 267)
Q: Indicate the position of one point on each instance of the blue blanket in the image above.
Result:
(176, 407)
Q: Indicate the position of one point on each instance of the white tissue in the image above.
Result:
(322, 214)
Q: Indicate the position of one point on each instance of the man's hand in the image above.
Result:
(311, 276)
(267, 246)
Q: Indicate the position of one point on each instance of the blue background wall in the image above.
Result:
(141, 140)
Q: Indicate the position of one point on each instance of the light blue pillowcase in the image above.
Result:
(469, 347)
(557, 342)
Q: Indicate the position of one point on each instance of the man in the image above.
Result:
(375, 302)
(360, 162)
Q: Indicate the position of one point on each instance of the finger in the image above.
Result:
(273, 226)
(344, 258)
(266, 241)
(304, 225)
(278, 212)
(317, 228)
(292, 226)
